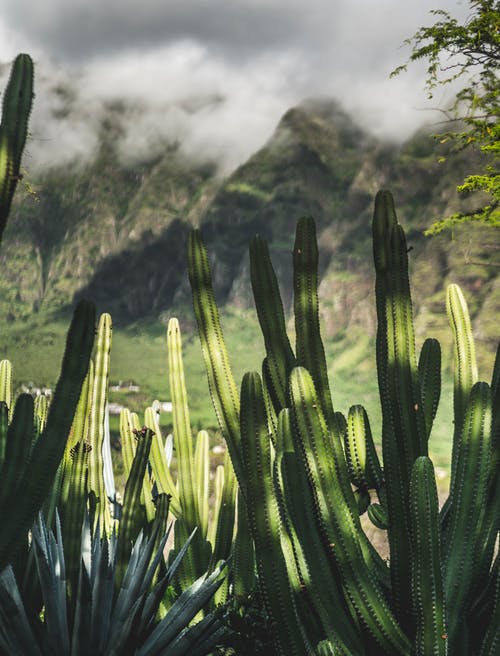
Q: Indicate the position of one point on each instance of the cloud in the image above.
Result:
(211, 75)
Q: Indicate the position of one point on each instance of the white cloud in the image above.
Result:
(212, 75)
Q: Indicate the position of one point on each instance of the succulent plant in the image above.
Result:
(104, 618)
(16, 109)
(306, 473)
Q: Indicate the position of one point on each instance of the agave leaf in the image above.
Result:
(49, 556)
(183, 610)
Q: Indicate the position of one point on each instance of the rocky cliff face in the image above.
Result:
(116, 233)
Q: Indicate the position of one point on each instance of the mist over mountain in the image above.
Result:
(115, 229)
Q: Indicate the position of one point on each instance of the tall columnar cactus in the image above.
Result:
(38, 460)
(98, 409)
(324, 586)
(16, 108)
(212, 541)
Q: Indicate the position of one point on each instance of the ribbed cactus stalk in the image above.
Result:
(97, 489)
(16, 109)
(297, 461)
(183, 439)
(33, 481)
(220, 378)
(193, 477)
(426, 564)
(404, 436)
(262, 509)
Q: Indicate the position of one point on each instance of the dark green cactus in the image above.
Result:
(16, 108)
(22, 499)
(426, 575)
(297, 461)
(262, 510)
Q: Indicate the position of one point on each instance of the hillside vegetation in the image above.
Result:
(115, 233)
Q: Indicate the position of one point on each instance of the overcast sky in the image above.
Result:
(214, 74)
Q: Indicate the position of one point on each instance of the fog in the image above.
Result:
(212, 76)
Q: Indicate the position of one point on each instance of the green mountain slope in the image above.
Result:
(116, 232)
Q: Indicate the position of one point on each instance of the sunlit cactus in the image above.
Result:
(306, 472)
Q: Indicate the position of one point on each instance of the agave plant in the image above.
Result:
(103, 620)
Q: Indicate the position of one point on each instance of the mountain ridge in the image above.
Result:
(116, 233)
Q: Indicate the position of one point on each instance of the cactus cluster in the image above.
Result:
(297, 477)
(127, 572)
(306, 473)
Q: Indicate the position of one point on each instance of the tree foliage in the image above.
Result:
(467, 51)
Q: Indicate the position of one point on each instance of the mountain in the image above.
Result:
(116, 232)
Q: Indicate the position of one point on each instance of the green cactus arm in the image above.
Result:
(429, 372)
(263, 515)
(18, 447)
(293, 552)
(280, 358)
(337, 516)
(16, 109)
(320, 580)
(41, 411)
(464, 536)
(309, 346)
(6, 384)
(17, 103)
(361, 455)
(224, 514)
(377, 514)
(159, 465)
(243, 561)
(427, 580)
(404, 435)
(183, 438)
(127, 426)
(217, 494)
(36, 479)
(97, 489)
(201, 479)
(4, 427)
(7, 178)
(72, 503)
(58, 496)
(465, 371)
(133, 517)
(76, 507)
(223, 389)
(495, 429)
(130, 427)
(490, 522)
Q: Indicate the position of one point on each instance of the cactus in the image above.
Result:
(16, 108)
(322, 583)
(38, 461)
(97, 489)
